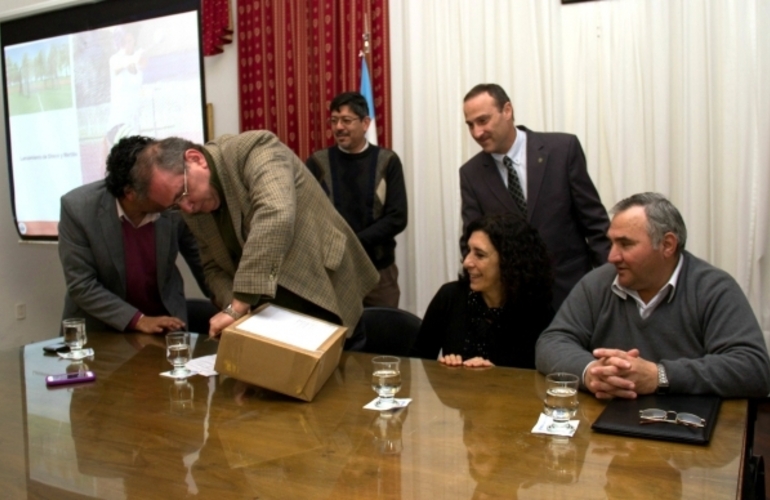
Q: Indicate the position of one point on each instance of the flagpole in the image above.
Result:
(366, 83)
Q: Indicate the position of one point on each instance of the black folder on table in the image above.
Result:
(621, 416)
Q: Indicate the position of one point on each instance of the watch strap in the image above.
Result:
(663, 384)
(232, 312)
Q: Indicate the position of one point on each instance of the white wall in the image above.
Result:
(30, 273)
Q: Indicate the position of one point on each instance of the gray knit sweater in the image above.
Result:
(707, 336)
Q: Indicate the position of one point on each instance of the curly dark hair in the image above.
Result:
(525, 267)
(120, 163)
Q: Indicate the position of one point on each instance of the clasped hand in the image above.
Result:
(618, 373)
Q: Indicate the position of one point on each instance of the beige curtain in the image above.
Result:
(665, 95)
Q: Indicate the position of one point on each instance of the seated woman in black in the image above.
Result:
(495, 312)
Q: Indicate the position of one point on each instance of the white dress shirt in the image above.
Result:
(518, 154)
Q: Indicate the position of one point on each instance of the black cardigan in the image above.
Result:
(446, 324)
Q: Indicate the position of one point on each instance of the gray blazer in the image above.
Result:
(91, 253)
(562, 204)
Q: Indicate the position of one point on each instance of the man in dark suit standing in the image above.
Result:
(541, 176)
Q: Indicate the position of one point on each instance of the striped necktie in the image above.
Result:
(514, 186)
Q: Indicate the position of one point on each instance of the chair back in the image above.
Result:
(389, 331)
(199, 312)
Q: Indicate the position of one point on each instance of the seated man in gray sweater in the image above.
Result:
(656, 318)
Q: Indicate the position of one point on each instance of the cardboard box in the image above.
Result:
(274, 359)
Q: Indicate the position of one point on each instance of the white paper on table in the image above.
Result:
(394, 405)
(541, 427)
(289, 327)
(203, 365)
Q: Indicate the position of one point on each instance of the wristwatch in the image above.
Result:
(235, 314)
(662, 380)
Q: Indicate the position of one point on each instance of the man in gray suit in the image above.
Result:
(118, 252)
(540, 176)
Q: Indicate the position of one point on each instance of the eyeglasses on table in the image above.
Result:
(654, 415)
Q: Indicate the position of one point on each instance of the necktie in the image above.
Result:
(514, 186)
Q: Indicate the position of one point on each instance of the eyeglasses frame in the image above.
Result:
(346, 120)
(679, 418)
(181, 197)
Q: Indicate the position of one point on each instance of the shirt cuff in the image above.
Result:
(132, 324)
(583, 377)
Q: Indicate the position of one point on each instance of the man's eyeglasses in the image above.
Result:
(345, 120)
(179, 198)
(653, 415)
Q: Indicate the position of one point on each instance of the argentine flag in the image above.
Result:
(366, 91)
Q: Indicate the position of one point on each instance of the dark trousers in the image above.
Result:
(386, 293)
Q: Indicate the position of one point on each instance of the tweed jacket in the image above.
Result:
(290, 233)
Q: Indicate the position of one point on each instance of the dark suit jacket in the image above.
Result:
(91, 253)
(562, 204)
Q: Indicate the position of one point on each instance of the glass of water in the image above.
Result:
(178, 353)
(386, 379)
(74, 330)
(561, 400)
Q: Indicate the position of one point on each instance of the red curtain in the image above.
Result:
(296, 55)
(217, 26)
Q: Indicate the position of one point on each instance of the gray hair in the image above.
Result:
(167, 154)
(662, 217)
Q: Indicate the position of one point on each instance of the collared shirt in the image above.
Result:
(224, 222)
(518, 154)
(667, 290)
(645, 309)
(148, 218)
(366, 145)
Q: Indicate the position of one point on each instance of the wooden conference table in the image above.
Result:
(466, 435)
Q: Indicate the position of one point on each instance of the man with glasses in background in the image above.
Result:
(118, 253)
(266, 230)
(656, 318)
(366, 185)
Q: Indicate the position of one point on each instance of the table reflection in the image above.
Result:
(387, 431)
(466, 435)
(119, 412)
(625, 461)
(502, 461)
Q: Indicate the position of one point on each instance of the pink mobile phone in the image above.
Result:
(70, 378)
